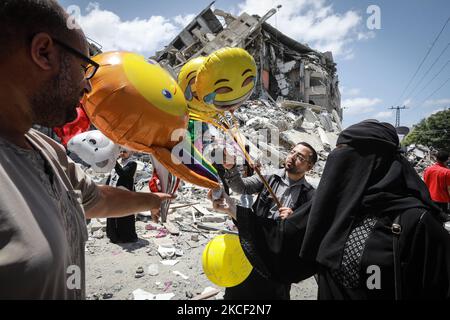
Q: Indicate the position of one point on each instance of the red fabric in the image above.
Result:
(69, 130)
(437, 178)
(153, 183)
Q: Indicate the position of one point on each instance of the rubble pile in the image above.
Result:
(420, 157)
(277, 127)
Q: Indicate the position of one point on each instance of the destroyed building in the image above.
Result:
(297, 87)
(286, 68)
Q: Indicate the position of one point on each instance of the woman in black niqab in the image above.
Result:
(347, 228)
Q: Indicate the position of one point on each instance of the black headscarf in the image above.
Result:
(368, 175)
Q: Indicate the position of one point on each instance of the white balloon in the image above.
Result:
(94, 148)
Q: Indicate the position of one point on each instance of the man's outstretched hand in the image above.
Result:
(225, 204)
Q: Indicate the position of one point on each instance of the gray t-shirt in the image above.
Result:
(43, 195)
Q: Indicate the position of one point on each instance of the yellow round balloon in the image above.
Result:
(187, 83)
(224, 261)
(227, 78)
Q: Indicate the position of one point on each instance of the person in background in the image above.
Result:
(293, 191)
(437, 179)
(123, 229)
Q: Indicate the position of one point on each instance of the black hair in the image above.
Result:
(313, 159)
(442, 156)
(21, 19)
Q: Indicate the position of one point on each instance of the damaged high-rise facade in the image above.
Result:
(288, 70)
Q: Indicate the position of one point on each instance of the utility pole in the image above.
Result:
(397, 115)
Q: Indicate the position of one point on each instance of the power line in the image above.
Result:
(435, 91)
(429, 69)
(423, 60)
(435, 76)
(397, 115)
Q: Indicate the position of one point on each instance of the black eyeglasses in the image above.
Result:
(92, 67)
(298, 156)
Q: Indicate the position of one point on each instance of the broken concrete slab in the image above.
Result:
(325, 121)
(309, 126)
(332, 138)
(153, 269)
(166, 252)
(214, 218)
(97, 224)
(298, 123)
(324, 138)
(310, 116)
(293, 137)
(337, 119)
(169, 262)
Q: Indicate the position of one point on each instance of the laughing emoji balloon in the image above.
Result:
(187, 82)
(226, 79)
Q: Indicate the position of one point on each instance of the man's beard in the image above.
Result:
(55, 103)
(292, 170)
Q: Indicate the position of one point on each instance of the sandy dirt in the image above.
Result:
(114, 271)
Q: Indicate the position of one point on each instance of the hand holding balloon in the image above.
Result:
(224, 204)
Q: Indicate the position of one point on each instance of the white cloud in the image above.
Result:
(437, 103)
(144, 36)
(314, 22)
(360, 105)
(183, 21)
(352, 92)
(434, 111)
(407, 102)
(384, 114)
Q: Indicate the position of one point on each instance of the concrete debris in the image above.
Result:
(153, 269)
(169, 262)
(178, 273)
(97, 224)
(98, 234)
(166, 252)
(214, 218)
(140, 270)
(420, 157)
(107, 296)
(140, 294)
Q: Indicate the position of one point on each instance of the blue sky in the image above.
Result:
(374, 66)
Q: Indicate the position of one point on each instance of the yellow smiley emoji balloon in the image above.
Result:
(137, 104)
(226, 79)
(187, 82)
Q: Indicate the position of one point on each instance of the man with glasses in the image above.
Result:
(45, 198)
(292, 189)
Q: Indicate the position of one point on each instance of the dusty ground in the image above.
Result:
(112, 271)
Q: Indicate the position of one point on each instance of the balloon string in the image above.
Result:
(237, 139)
